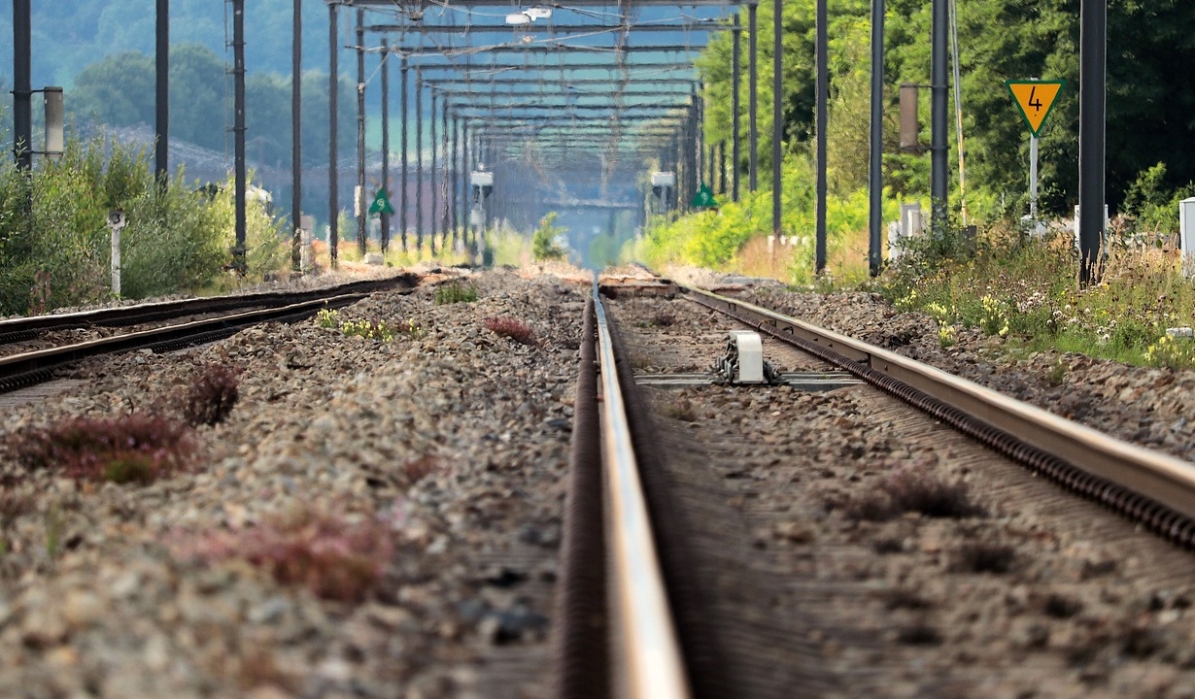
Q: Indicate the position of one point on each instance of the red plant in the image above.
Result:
(130, 448)
(509, 327)
(212, 395)
(332, 557)
(420, 468)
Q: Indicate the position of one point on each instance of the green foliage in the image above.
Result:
(1000, 40)
(1023, 289)
(715, 239)
(328, 319)
(82, 30)
(55, 243)
(1170, 352)
(370, 330)
(118, 90)
(545, 243)
(1153, 202)
(455, 292)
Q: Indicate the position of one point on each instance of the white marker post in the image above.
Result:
(1033, 178)
(116, 221)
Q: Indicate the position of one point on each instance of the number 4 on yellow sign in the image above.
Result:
(1035, 99)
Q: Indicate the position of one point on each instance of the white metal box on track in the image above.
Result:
(749, 349)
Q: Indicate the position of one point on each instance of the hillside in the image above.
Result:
(67, 37)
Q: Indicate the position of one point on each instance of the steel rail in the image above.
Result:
(580, 640)
(649, 646)
(1153, 488)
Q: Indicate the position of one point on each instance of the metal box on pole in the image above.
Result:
(1186, 226)
(910, 128)
(55, 121)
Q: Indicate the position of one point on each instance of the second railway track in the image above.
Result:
(194, 321)
(841, 544)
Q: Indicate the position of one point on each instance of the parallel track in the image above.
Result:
(605, 643)
(1153, 489)
(29, 368)
(22, 329)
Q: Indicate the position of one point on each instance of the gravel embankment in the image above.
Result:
(428, 467)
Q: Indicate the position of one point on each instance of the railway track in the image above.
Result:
(798, 591)
(788, 568)
(177, 324)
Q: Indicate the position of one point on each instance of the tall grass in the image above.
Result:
(1025, 288)
(55, 243)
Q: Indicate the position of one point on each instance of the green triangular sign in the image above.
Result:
(704, 199)
(381, 204)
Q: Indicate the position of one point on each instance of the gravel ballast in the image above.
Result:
(433, 464)
(444, 447)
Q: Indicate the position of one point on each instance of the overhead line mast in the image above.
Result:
(605, 123)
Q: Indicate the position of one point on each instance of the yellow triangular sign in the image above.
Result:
(1035, 99)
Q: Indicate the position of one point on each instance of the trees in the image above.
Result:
(1149, 100)
(1148, 103)
(119, 91)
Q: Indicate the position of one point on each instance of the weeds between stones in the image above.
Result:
(914, 489)
(919, 634)
(131, 448)
(417, 470)
(334, 558)
(682, 410)
(455, 293)
(986, 557)
(212, 395)
(511, 328)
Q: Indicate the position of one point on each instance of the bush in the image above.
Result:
(545, 243)
(54, 221)
(455, 292)
(914, 489)
(983, 557)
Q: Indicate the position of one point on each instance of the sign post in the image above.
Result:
(1035, 98)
